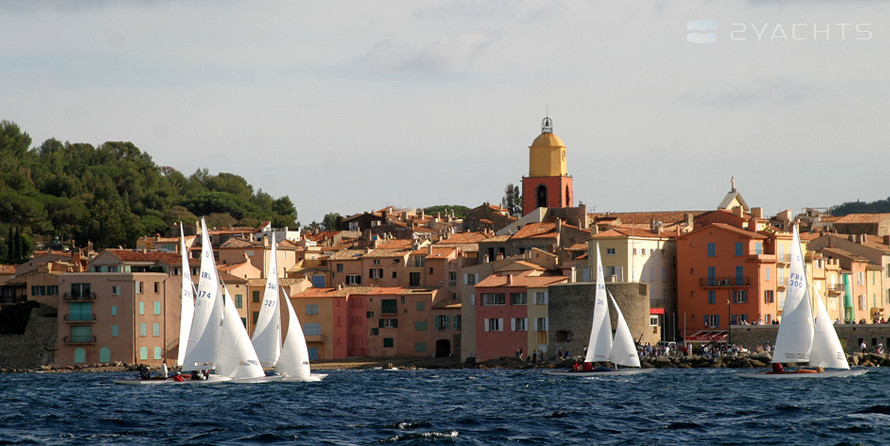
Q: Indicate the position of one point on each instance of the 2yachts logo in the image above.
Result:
(705, 31)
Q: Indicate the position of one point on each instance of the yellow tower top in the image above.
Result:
(547, 154)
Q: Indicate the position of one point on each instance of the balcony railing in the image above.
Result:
(784, 258)
(81, 339)
(724, 282)
(79, 296)
(80, 318)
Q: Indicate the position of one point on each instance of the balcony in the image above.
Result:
(79, 297)
(81, 318)
(784, 258)
(83, 339)
(724, 282)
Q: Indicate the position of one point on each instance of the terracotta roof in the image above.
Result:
(229, 278)
(438, 252)
(578, 247)
(665, 217)
(397, 244)
(461, 238)
(7, 269)
(631, 231)
(128, 255)
(238, 242)
(536, 230)
(520, 280)
(386, 253)
(498, 238)
(348, 254)
(725, 227)
(863, 218)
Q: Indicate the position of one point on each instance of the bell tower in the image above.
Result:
(548, 183)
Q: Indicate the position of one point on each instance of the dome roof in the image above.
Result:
(547, 139)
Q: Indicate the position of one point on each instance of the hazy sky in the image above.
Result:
(352, 106)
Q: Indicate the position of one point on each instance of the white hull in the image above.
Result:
(315, 377)
(258, 380)
(794, 375)
(170, 381)
(613, 372)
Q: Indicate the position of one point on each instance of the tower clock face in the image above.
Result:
(563, 155)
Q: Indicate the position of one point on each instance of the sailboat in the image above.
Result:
(601, 346)
(236, 357)
(801, 338)
(290, 359)
(199, 341)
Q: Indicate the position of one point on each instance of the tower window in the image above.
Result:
(542, 196)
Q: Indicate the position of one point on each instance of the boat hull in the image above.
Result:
(613, 372)
(315, 377)
(170, 381)
(811, 375)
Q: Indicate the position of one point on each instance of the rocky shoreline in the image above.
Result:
(736, 361)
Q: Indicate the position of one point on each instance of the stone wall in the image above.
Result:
(571, 314)
(35, 347)
(850, 334)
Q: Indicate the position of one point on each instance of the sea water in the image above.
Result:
(473, 407)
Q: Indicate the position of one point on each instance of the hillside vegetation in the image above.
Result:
(73, 193)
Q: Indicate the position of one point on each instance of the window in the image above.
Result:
(739, 296)
(80, 290)
(81, 333)
(469, 279)
(712, 250)
(518, 299)
(739, 248)
(312, 329)
(388, 323)
(862, 302)
(138, 287)
(414, 279)
(157, 307)
(239, 301)
(758, 249)
(768, 296)
(312, 309)
(541, 324)
(452, 278)
(494, 299)
(143, 329)
(353, 279)
(610, 251)
(420, 346)
(388, 343)
(431, 271)
(339, 267)
(157, 351)
(420, 326)
(440, 322)
(81, 311)
(318, 280)
(540, 298)
(375, 261)
(712, 320)
(519, 324)
(157, 287)
(388, 306)
(114, 310)
(768, 273)
(256, 316)
(420, 305)
(493, 324)
(375, 273)
(653, 320)
(141, 308)
(256, 297)
(712, 297)
(739, 275)
(115, 331)
(156, 329)
(143, 353)
(115, 291)
(456, 322)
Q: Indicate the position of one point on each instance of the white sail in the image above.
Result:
(188, 300)
(294, 359)
(267, 331)
(624, 351)
(827, 350)
(795, 337)
(600, 344)
(205, 329)
(236, 357)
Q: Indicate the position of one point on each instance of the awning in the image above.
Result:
(708, 336)
(656, 311)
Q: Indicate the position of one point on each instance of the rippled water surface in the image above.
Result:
(701, 406)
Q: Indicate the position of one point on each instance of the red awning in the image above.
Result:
(708, 336)
(656, 311)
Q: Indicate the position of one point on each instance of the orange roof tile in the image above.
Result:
(863, 218)
(536, 230)
(127, 255)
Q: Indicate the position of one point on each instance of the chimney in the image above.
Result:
(738, 211)
(863, 238)
(509, 279)
(572, 275)
(430, 249)
(757, 212)
(485, 258)
(558, 225)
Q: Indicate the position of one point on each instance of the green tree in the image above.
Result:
(333, 222)
(512, 200)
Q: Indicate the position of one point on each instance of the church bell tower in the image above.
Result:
(548, 183)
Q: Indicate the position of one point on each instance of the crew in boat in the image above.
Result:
(178, 377)
(777, 368)
(144, 371)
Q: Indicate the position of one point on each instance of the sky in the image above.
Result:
(353, 106)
